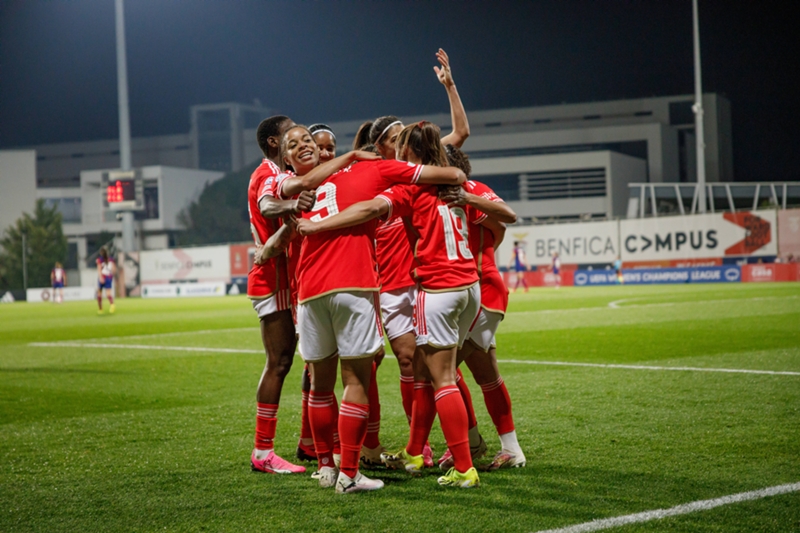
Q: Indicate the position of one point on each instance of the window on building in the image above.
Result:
(70, 208)
(214, 139)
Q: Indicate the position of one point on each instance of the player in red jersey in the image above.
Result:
(398, 288)
(479, 352)
(338, 315)
(105, 275)
(58, 279)
(326, 140)
(269, 290)
(447, 303)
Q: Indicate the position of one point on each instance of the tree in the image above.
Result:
(220, 213)
(45, 243)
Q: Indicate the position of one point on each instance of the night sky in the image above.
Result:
(335, 60)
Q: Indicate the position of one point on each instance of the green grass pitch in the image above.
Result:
(135, 436)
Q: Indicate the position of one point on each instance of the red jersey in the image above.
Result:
(273, 188)
(395, 257)
(272, 277)
(494, 293)
(439, 237)
(344, 259)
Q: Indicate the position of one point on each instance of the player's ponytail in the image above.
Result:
(424, 141)
(362, 136)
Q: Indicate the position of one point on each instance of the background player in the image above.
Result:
(58, 279)
(105, 276)
(618, 270)
(555, 266)
(519, 264)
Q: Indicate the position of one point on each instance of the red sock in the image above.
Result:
(498, 403)
(461, 383)
(266, 420)
(422, 415)
(100, 301)
(372, 439)
(322, 415)
(337, 449)
(305, 423)
(407, 393)
(453, 417)
(110, 299)
(353, 419)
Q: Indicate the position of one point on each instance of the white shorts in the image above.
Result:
(444, 319)
(397, 307)
(277, 302)
(485, 327)
(345, 322)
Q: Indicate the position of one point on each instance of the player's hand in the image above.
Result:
(305, 227)
(305, 201)
(453, 195)
(363, 155)
(257, 259)
(444, 74)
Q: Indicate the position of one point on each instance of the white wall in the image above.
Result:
(17, 185)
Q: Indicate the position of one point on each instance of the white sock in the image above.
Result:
(510, 443)
(262, 454)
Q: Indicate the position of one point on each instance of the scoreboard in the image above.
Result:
(123, 190)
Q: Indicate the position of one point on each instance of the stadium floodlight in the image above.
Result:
(698, 114)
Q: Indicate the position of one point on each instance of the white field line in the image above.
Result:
(647, 367)
(616, 304)
(77, 344)
(170, 334)
(686, 508)
(142, 347)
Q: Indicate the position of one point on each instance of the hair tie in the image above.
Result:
(421, 123)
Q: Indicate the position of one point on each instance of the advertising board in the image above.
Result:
(71, 294)
(749, 233)
(576, 243)
(789, 233)
(241, 261)
(183, 290)
(647, 276)
(206, 263)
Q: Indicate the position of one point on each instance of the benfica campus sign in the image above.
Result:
(716, 235)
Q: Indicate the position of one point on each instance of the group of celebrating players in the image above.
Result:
(390, 236)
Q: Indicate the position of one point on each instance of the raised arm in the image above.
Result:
(499, 211)
(313, 179)
(458, 115)
(352, 216)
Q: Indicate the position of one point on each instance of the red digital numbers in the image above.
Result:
(120, 191)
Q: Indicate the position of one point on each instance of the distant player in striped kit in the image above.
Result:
(58, 279)
(555, 266)
(520, 265)
(105, 276)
